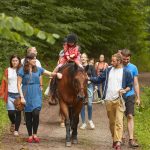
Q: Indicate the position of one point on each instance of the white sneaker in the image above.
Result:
(83, 126)
(92, 126)
(16, 133)
(62, 124)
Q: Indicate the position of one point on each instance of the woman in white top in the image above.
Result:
(14, 115)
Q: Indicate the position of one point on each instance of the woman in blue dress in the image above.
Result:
(31, 94)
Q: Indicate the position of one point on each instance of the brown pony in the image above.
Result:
(71, 91)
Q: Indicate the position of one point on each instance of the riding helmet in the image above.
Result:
(72, 38)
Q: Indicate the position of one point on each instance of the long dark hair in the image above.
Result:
(26, 63)
(12, 57)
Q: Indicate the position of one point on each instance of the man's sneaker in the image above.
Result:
(83, 126)
(117, 146)
(16, 133)
(114, 144)
(133, 144)
(92, 126)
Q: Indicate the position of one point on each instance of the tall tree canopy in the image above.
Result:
(103, 26)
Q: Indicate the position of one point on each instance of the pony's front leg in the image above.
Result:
(75, 128)
(68, 137)
(64, 109)
(77, 110)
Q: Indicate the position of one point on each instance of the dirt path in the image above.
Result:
(53, 136)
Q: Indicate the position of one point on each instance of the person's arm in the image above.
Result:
(93, 71)
(129, 83)
(46, 72)
(19, 83)
(99, 79)
(123, 91)
(96, 65)
(75, 52)
(137, 89)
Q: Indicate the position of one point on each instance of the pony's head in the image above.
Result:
(80, 83)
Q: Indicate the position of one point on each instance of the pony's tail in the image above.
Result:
(53, 93)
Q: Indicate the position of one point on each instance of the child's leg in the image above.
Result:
(78, 62)
(63, 61)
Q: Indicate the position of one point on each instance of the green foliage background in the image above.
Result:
(142, 120)
(102, 26)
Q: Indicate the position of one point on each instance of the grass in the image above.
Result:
(142, 120)
(3, 116)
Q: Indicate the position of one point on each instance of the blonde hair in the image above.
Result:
(118, 56)
(29, 49)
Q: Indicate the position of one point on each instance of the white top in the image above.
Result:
(38, 64)
(12, 80)
(114, 83)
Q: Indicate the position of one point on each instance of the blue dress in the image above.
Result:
(32, 90)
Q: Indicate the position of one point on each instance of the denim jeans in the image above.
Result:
(89, 106)
(11, 98)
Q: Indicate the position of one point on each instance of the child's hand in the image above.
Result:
(68, 58)
(72, 55)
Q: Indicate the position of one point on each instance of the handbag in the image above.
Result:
(18, 104)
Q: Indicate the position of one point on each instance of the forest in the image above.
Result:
(102, 26)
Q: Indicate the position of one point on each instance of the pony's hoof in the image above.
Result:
(68, 144)
(74, 141)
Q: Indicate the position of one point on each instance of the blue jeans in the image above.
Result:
(89, 106)
(11, 99)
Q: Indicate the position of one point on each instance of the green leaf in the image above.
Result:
(28, 29)
(41, 35)
(9, 22)
(56, 36)
(18, 24)
(50, 39)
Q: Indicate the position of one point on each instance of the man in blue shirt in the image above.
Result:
(130, 96)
